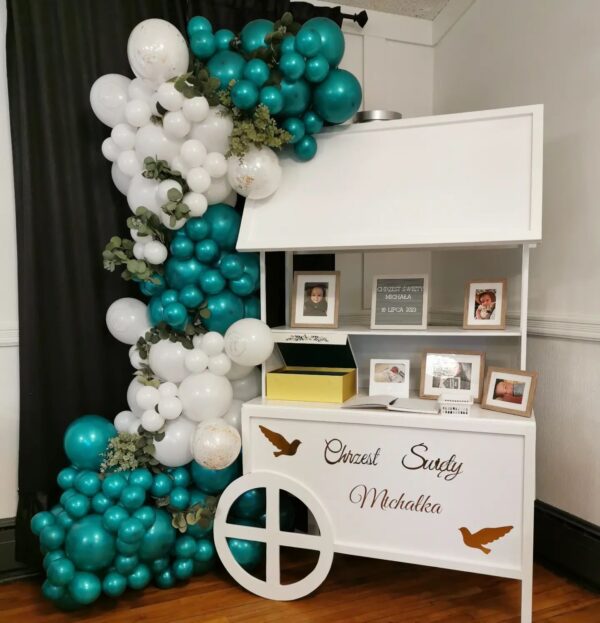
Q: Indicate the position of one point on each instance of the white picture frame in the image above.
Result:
(389, 377)
(325, 311)
(399, 291)
(451, 371)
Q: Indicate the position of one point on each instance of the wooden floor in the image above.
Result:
(357, 590)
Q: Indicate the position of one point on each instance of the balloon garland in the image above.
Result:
(186, 136)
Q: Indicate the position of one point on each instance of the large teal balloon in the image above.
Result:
(332, 38)
(159, 539)
(52, 537)
(224, 224)
(224, 308)
(203, 44)
(89, 545)
(215, 481)
(296, 97)
(338, 97)
(248, 554)
(198, 24)
(253, 34)
(196, 229)
(308, 42)
(86, 440)
(250, 505)
(180, 273)
(226, 65)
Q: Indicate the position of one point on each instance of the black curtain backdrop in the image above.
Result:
(67, 209)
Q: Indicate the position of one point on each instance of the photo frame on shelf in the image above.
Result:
(389, 377)
(315, 299)
(485, 304)
(399, 301)
(509, 391)
(447, 371)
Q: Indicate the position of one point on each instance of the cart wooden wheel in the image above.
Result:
(274, 537)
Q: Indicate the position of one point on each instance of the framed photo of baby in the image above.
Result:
(315, 299)
(485, 304)
(389, 377)
(509, 391)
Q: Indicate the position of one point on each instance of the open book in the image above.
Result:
(411, 405)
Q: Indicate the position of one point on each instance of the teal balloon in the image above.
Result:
(180, 273)
(251, 265)
(165, 579)
(197, 531)
(212, 282)
(191, 296)
(256, 71)
(272, 98)
(223, 38)
(150, 288)
(291, 65)
(60, 572)
(113, 518)
(56, 510)
(198, 24)
(159, 564)
(226, 66)
(203, 567)
(181, 476)
(203, 44)
(86, 440)
(141, 477)
(168, 297)
(40, 520)
(205, 551)
(67, 602)
(252, 307)
(247, 554)
(250, 505)
(85, 588)
(332, 38)
(197, 229)
(306, 148)
(296, 97)
(113, 485)
(52, 591)
(183, 568)
(224, 308)
(114, 584)
(338, 97)
(316, 69)
(100, 503)
(308, 42)
(131, 530)
(185, 547)
(67, 495)
(133, 496)
(175, 315)
(127, 549)
(182, 248)
(243, 286)
(295, 127)
(161, 486)
(312, 122)
(50, 557)
(65, 521)
(66, 477)
(88, 483)
(126, 564)
(155, 310)
(253, 34)
(224, 224)
(214, 481)
(89, 545)
(206, 251)
(139, 578)
(78, 505)
(179, 498)
(244, 94)
(287, 514)
(288, 44)
(231, 266)
(158, 539)
(147, 515)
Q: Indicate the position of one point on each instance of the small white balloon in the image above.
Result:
(110, 150)
(137, 112)
(135, 358)
(139, 90)
(142, 192)
(147, 397)
(135, 426)
(135, 236)
(231, 199)
(167, 360)
(196, 360)
(138, 250)
(249, 342)
(215, 130)
(120, 180)
(155, 252)
(216, 164)
(213, 343)
(193, 153)
(238, 372)
(123, 136)
(128, 163)
(167, 390)
(124, 420)
(165, 219)
(176, 125)
(108, 98)
(153, 103)
(196, 108)
(152, 421)
(164, 187)
(169, 97)
(152, 141)
(132, 391)
(197, 340)
(177, 164)
(233, 417)
(219, 190)
(170, 407)
(175, 449)
(247, 388)
(205, 396)
(216, 444)
(219, 364)
(256, 175)
(127, 320)
(196, 202)
(198, 180)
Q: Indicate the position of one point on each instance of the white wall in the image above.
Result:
(547, 51)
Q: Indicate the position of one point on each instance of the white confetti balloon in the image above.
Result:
(205, 396)
(216, 444)
(214, 131)
(175, 449)
(108, 98)
(256, 175)
(249, 342)
(127, 320)
(167, 360)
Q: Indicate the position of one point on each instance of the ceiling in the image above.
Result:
(423, 9)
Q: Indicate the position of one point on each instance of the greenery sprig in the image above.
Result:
(127, 451)
(175, 208)
(197, 83)
(146, 223)
(201, 514)
(160, 170)
(119, 252)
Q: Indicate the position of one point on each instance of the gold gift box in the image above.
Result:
(311, 384)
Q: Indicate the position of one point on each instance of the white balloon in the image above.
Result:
(157, 51)
(147, 397)
(142, 192)
(198, 180)
(196, 202)
(219, 364)
(177, 164)
(233, 417)
(193, 153)
(167, 359)
(216, 164)
(256, 175)
(128, 163)
(124, 420)
(152, 421)
(167, 390)
(219, 190)
(238, 372)
(197, 340)
(132, 391)
(127, 320)
(231, 198)
(249, 342)
(151, 140)
(165, 219)
(120, 180)
(108, 98)
(139, 90)
(155, 252)
(216, 444)
(169, 97)
(123, 136)
(153, 103)
(215, 130)
(213, 343)
(137, 112)
(135, 236)
(134, 426)
(249, 387)
(196, 108)
(135, 358)
(164, 187)
(205, 396)
(170, 407)
(138, 250)
(176, 125)
(175, 449)
(110, 150)
(196, 360)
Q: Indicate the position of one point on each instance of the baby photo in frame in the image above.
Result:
(509, 391)
(389, 377)
(485, 304)
(315, 299)
(448, 371)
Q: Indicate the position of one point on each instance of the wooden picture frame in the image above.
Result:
(491, 285)
(495, 375)
(426, 390)
(300, 316)
(425, 302)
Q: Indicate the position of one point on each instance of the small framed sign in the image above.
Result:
(399, 302)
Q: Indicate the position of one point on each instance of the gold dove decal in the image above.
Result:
(477, 540)
(283, 446)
